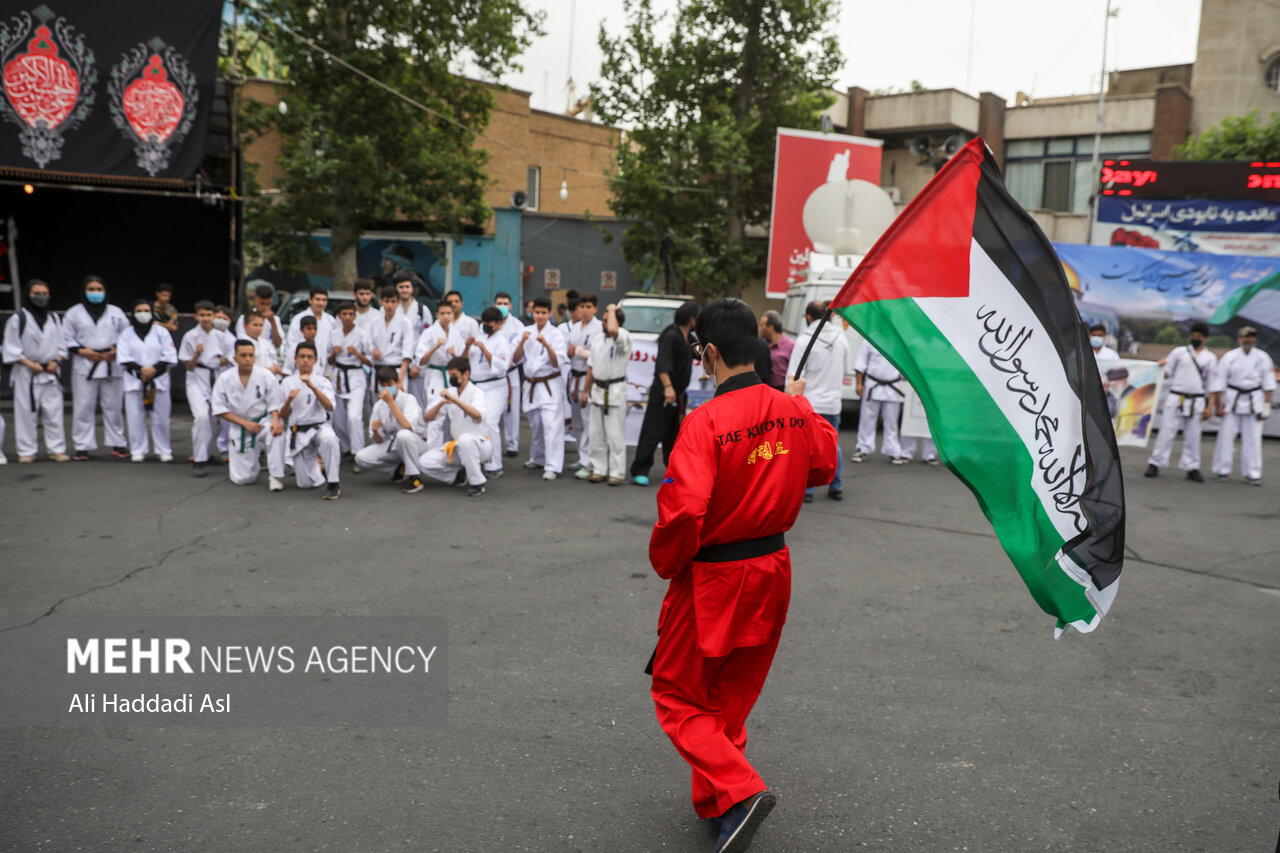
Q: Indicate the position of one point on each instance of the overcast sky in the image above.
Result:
(1045, 49)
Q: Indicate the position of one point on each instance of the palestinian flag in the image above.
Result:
(965, 295)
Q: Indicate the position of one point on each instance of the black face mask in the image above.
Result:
(455, 381)
(488, 330)
(1197, 343)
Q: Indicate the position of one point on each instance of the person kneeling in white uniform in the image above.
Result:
(247, 397)
(308, 400)
(462, 404)
(1244, 381)
(398, 431)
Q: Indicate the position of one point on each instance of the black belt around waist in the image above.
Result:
(1240, 391)
(490, 379)
(344, 377)
(303, 428)
(731, 552)
(606, 384)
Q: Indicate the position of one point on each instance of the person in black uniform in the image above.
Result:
(667, 398)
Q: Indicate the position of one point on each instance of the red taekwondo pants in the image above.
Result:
(717, 634)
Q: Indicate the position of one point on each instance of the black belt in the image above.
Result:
(605, 384)
(294, 430)
(1240, 391)
(891, 385)
(732, 552)
(345, 377)
(490, 379)
(97, 364)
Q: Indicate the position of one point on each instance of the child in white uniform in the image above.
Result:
(308, 400)
(204, 352)
(146, 352)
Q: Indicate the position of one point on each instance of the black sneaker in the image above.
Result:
(461, 479)
(808, 497)
(835, 494)
(493, 475)
(475, 491)
(1152, 471)
(512, 454)
(197, 470)
(1195, 476)
(739, 824)
(413, 486)
(398, 476)
(332, 492)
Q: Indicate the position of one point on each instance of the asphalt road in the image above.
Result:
(918, 701)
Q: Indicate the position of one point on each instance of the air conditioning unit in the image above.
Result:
(894, 193)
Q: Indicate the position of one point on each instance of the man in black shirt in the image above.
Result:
(667, 398)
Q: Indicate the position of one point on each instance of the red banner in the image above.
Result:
(804, 161)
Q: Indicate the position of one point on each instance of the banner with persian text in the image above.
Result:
(1190, 225)
(108, 88)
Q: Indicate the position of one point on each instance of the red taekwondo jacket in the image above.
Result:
(734, 484)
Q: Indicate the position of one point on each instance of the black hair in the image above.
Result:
(1098, 327)
(264, 291)
(222, 309)
(491, 315)
(456, 293)
(460, 363)
(389, 292)
(89, 279)
(620, 316)
(814, 310)
(501, 294)
(572, 304)
(362, 284)
(386, 374)
(244, 342)
(1202, 328)
(542, 302)
(305, 345)
(203, 305)
(589, 298)
(345, 305)
(729, 324)
(164, 288)
(687, 313)
(401, 275)
(307, 322)
(133, 305)
(317, 291)
(571, 294)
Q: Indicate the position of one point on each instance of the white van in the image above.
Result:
(827, 274)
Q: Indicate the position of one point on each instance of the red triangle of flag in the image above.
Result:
(925, 252)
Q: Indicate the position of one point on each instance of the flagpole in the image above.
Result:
(1094, 183)
(826, 315)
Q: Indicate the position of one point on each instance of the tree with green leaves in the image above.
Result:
(703, 106)
(354, 154)
(1235, 138)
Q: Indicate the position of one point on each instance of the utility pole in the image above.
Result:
(1094, 182)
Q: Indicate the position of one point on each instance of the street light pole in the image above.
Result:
(1094, 184)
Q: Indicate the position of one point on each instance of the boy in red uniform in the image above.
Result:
(729, 567)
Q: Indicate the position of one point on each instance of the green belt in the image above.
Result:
(251, 436)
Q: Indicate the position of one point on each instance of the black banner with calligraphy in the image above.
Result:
(108, 88)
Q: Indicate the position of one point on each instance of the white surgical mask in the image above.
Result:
(142, 317)
(221, 324)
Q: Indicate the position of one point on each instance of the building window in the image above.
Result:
(1053, 174)
(1057, 185)
(534, 181)
(1272, 76)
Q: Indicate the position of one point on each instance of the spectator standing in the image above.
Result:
(824, 379)
(780, 348)
(667, 400)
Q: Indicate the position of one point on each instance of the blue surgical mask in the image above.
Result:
(97, 297)
(1096, 341)
(505, 310)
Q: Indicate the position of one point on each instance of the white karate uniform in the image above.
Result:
(398, 446)
(200, 383)
(322, 356)
(351, 384)
(416, 319)
(490, 376)
(467, 327)
(1242, 378)
(607, 415)
(580, 335)
(434, 376)
(513, 328)
(253, 400)
(367, 320)
(1189, 374)
(881, 400)
(543, 397)
(37, 397)
(308, 437)
(154, 349)
(95, 384)
(220, 427)
(266, 329)
(472, 446)
(928, 450)
(326, 325)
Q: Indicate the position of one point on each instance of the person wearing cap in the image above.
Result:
(1118, 387)
(1244, 381)
(1188, 370)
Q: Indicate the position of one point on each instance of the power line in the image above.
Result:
(435, 113)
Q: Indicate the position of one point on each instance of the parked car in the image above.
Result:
(649, 313)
